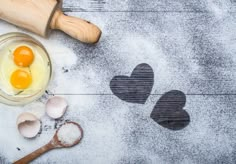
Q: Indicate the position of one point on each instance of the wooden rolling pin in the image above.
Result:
(39, 16)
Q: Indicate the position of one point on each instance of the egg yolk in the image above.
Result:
(21, 79)
(23, 56)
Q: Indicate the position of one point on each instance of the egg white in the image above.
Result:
(38, 70)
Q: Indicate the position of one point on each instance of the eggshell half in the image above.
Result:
(28, 125)
(56, 107)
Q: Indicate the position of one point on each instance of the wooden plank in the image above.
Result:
(126, 133)
(191, 52)
(147, 6)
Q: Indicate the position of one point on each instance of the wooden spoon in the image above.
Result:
(53, 144)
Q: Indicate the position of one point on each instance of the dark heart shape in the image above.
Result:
(137, 87)
(168, 111)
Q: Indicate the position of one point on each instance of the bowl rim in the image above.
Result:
(8, 99)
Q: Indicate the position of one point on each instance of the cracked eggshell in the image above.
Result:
(56, 107)
(28, 125)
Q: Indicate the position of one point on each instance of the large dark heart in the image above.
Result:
(137, 87)
(168, 111)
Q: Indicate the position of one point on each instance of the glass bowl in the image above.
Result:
(8, 94)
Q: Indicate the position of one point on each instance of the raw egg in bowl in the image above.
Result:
(25, 69)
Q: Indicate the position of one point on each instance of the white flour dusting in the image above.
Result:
(69, 133)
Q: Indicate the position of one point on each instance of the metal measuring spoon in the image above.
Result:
(53, 144)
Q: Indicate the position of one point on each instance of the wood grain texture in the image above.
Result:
(190, 46)
(145, 6)
(196, 56)
(30, 15)
(77, 28)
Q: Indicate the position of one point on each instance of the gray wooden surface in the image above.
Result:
(191, 46)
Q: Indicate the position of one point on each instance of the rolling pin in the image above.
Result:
(39, 16)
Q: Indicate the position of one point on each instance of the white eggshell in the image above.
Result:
(28, 125)
(56, 107)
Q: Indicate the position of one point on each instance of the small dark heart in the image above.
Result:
(137, 87)
(168, 111)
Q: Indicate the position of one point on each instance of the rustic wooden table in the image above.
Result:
(191, 46)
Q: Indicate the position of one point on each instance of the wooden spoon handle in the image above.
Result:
(35, 154)
(75, 27)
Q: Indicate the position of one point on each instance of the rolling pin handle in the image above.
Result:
(75, 27)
